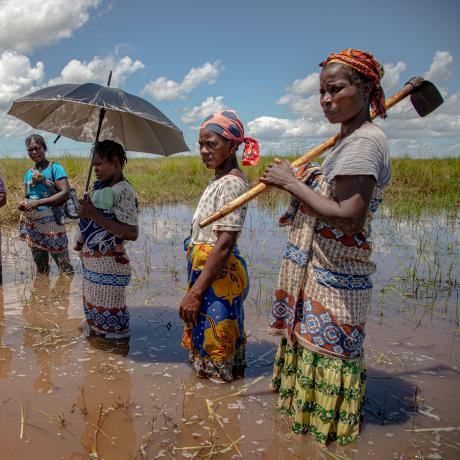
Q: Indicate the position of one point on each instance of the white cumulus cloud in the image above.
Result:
(286, 135)
(407, 132)
(308, 107)
(163, 89)
(12, 127)
(209, 106)
(97, 70)
(392, 75)
(307, 85)
(28, 24)
(302, 96)
(18, 76)
(440, 67)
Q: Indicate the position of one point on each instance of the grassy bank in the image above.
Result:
(418, 186)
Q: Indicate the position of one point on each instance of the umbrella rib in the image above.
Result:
(155, 135)
(44, 118)
(87, 119)
(97, 94)
(122, 129)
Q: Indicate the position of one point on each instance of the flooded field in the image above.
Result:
(66, 397)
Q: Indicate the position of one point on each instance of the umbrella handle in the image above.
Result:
(99, 126)
(88, 179)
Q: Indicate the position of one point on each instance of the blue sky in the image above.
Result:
(190, 58)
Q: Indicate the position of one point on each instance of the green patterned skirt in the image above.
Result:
(323, 395)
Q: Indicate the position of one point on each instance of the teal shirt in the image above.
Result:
(53, 173)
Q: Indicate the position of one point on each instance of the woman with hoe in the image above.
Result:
(322, 300)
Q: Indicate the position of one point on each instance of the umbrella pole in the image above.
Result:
(99, 126)
(88, 179)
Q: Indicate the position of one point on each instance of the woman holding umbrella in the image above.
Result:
(46, 186)
(109, 217)
(323, 296)
(212, 308)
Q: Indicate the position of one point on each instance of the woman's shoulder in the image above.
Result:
(232, 185)
(234, 178)
(372, 132)
(54, 165)
(125, 203)
(123, 187)
(57, 170)
(124, 195)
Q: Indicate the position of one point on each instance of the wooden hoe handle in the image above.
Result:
(307, 158)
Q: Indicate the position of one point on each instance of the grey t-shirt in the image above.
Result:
(364, 152)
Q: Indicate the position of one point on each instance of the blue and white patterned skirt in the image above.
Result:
(104, 297)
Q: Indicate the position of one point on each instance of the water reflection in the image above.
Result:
(150, 397)
(6, 354)
(48, 332)
(104, 400)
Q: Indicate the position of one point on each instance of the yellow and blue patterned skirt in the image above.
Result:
(217, 342)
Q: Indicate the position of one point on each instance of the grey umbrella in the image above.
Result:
(89, 112)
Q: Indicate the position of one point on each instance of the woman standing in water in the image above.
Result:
(2, 193)
(105, 220)
(2, 203)
(212, 308)
(46, 185)
(324, 288)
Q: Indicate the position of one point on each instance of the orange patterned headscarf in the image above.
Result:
(367, 65)
(228, 124)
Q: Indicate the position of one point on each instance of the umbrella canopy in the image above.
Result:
(74, 111)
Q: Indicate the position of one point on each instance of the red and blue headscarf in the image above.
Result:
(367, 65)
(227, 124)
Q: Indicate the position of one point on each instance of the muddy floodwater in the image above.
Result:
(65, 397)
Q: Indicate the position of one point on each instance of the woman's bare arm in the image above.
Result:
(346, 213)
(119, 229)
(216, 261)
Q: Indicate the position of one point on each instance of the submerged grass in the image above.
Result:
(424, 185)
(428, 185)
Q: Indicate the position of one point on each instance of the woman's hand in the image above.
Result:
(119, 229)
(278, 174)
(21, 205)
(190, 307)
(28, 206)
(87, 209)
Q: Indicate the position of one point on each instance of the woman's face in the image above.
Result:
(214, 149)
(105, 169)
(36, 151)
(340, 99)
